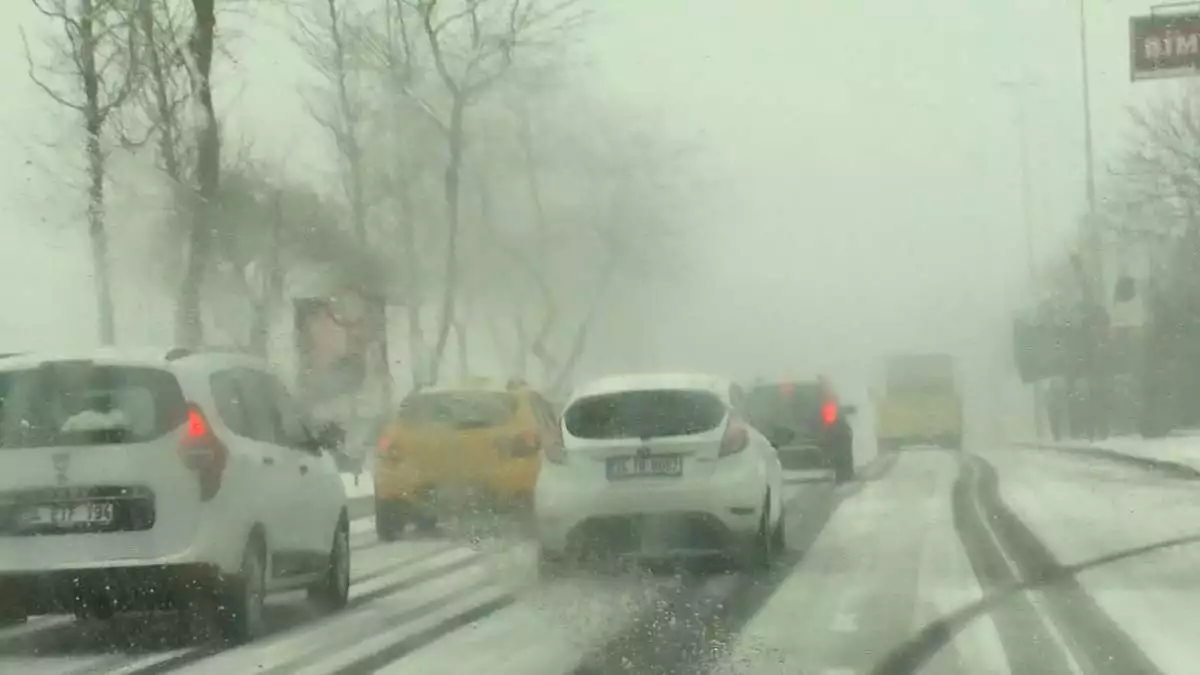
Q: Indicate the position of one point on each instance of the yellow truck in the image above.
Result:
(920, 403)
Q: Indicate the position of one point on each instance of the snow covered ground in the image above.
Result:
(1134, 536)
(1181, 449)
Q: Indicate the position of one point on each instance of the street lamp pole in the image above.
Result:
(1096, 288)
(1019, 88)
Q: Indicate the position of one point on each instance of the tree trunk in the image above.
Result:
(460, 335)
(99, 240)
(452, 195)
(579, 343)
(190, 326)
(348, 141)
(272, 288)
(168, 123)
(93, 124)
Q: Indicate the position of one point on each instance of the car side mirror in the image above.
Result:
(328, 436)
(781, 436)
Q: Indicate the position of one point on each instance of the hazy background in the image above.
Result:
(858, 186)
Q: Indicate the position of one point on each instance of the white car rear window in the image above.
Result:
(79, 403)
(654, 413)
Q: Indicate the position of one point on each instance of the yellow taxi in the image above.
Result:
(461, 450)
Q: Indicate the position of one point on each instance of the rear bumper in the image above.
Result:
(105, 590)
(717, 513)
(508, 484)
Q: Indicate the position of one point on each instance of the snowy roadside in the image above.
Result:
(1178, 454)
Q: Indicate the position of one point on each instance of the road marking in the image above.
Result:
(1036, 600)
(838, 671)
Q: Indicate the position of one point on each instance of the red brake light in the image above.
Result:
(829, 413)
(736, 438)
(203, 453)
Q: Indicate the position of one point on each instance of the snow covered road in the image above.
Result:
(1008, 560)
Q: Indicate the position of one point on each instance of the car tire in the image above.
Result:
(240, 607)
(551, 566)
(427, 523)
(761, 550)
(779, 537)
(332, 593)
(12, 615)
(390, 520)
(843, 470)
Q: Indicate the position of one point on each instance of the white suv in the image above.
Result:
(656, 466)
(151, 480)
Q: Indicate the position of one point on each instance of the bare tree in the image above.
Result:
(100, 46)
(472, 44)
(328, 38)
(189, 319)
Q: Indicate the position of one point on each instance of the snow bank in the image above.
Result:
(1182, 449)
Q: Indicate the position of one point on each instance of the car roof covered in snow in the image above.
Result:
(156, 357)
(613, 384)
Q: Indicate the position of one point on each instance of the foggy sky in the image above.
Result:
(863, 153)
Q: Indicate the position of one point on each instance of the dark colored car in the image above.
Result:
(806, 422)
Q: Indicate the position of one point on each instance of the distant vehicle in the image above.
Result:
(134, 481)
(460, 450)
(807, 423)
(920, 403)
(658, 466)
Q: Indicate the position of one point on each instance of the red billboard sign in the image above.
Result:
(1166, 45)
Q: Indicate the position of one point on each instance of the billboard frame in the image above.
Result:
(1161, 19)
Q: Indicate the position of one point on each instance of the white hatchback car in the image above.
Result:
(658, 466)
(151, 480)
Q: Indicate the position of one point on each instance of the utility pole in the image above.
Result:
(1020, 87)
(1094, 292)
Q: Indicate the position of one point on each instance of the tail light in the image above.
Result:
(736, 438)
(203, 453)
(829, 413)
(522, 446)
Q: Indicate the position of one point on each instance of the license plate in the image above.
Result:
(69, 515)
(634, 467)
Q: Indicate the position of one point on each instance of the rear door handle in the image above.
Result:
(303, 469)
(269, 461)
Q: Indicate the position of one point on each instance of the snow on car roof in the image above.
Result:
(644, 381)
(113, 356)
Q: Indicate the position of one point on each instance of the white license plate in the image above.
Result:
(634, 467)
(69, 515)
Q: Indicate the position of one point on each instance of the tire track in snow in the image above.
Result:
(1047, 622)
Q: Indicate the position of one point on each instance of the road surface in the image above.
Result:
(995, 560)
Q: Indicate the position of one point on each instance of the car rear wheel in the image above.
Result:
(843, 470)
(390, 520)
(240, 610)
(761, 550)
(333, 591)
(550, 566)
(12, 614)
(779, 536)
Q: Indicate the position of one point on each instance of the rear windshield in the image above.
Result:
(794, 406)
(644, 414)
(459, 409)
(921, 374)
(78, 403)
